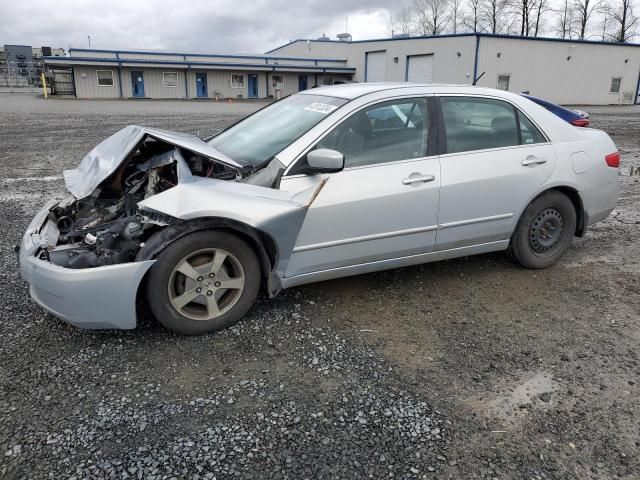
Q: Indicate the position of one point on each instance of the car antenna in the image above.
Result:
(478, 78)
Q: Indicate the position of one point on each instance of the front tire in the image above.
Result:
(545, 231)
(203, 282)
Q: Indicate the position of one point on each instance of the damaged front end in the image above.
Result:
(100, 222)
(85, 256)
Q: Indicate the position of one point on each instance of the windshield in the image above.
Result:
(268, 131)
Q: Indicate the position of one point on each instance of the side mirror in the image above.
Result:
(324, 160)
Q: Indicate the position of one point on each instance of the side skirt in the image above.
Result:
(393, 263)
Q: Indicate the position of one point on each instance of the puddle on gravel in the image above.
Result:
(533, 392)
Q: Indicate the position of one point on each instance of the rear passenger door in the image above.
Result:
(494, 159)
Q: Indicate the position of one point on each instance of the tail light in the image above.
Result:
(580, 122)
(613, 159)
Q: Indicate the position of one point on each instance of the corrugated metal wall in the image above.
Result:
(542, 67)
(563, 72)
(87, 83)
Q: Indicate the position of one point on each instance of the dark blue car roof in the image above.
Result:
(563, 113)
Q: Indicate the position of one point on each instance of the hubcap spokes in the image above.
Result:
(206, 284)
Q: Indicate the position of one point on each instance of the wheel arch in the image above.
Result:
(262, 243)
(572, 194)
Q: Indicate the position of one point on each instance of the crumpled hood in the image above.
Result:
(105, 158)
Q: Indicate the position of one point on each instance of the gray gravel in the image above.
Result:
(473, 368)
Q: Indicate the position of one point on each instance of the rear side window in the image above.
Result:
(478, 124)
(529, 132)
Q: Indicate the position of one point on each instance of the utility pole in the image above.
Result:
(89, 37)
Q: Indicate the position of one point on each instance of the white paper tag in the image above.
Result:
(323, 108)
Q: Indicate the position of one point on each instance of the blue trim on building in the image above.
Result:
(252, 57)
(470, 34)
(475, 60)
(257, 67)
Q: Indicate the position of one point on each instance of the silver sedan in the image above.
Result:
(330, 182)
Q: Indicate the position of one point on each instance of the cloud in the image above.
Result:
(189, 25)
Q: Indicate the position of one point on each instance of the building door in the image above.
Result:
(137, 84)
(201, 85)
(253, 85)
(302, 82)
(420, 69)
(374, 70)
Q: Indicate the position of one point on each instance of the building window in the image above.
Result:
(327, 80)
(615, 85)
(277, 81)
(237, 80)
(503, 82)
(170, 79)
(105, 78)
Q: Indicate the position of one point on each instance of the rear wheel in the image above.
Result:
(203, 282)
(544, 232)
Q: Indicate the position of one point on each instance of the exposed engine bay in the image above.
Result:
(107, 227)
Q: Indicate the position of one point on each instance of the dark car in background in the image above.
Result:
(574, 117)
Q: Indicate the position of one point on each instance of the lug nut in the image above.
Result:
(198, 290)
(217, 284)
(209, 292)
(211, 275)
(200, 279)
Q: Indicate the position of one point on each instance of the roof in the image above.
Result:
(462, 35)
(350, 91)
(221, 55)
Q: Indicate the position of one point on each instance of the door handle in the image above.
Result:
(417, 178)
(531, 160)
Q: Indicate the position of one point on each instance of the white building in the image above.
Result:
(563, 71)
(146, 74)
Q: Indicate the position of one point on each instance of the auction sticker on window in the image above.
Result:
(323, 108)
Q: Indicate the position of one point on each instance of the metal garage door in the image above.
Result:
(375, 66)
(420, 69)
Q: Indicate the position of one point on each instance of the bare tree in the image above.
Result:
(625, 20)
(402, 21)
(541, 7)
(524, 9)
(584, 10)
(472, 15)
(493, 14)
(456, 14)
(432, 16)
(565, 19)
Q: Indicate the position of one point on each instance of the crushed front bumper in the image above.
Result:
(101, 297)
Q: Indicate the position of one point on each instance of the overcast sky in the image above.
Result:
(188, 25)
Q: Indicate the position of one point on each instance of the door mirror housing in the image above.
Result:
(324, 160)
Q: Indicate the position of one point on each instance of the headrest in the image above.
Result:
(361, 124)
(503, 123)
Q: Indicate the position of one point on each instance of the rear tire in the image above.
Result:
(544, 232)
(203, 282)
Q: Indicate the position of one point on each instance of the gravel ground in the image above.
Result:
(466, 369)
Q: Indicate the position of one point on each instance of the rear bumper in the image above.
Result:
(599, 202)
(102, 297)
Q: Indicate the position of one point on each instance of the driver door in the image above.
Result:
(384, 204)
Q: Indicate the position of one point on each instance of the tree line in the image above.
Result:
(614, 21)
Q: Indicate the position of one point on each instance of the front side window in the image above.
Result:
(277, 81)
(615, 85)
(105, 78)
(478, 123)
(382, 133)
(258, 138)
(170, 79)
(237, 80)
(503, 82)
